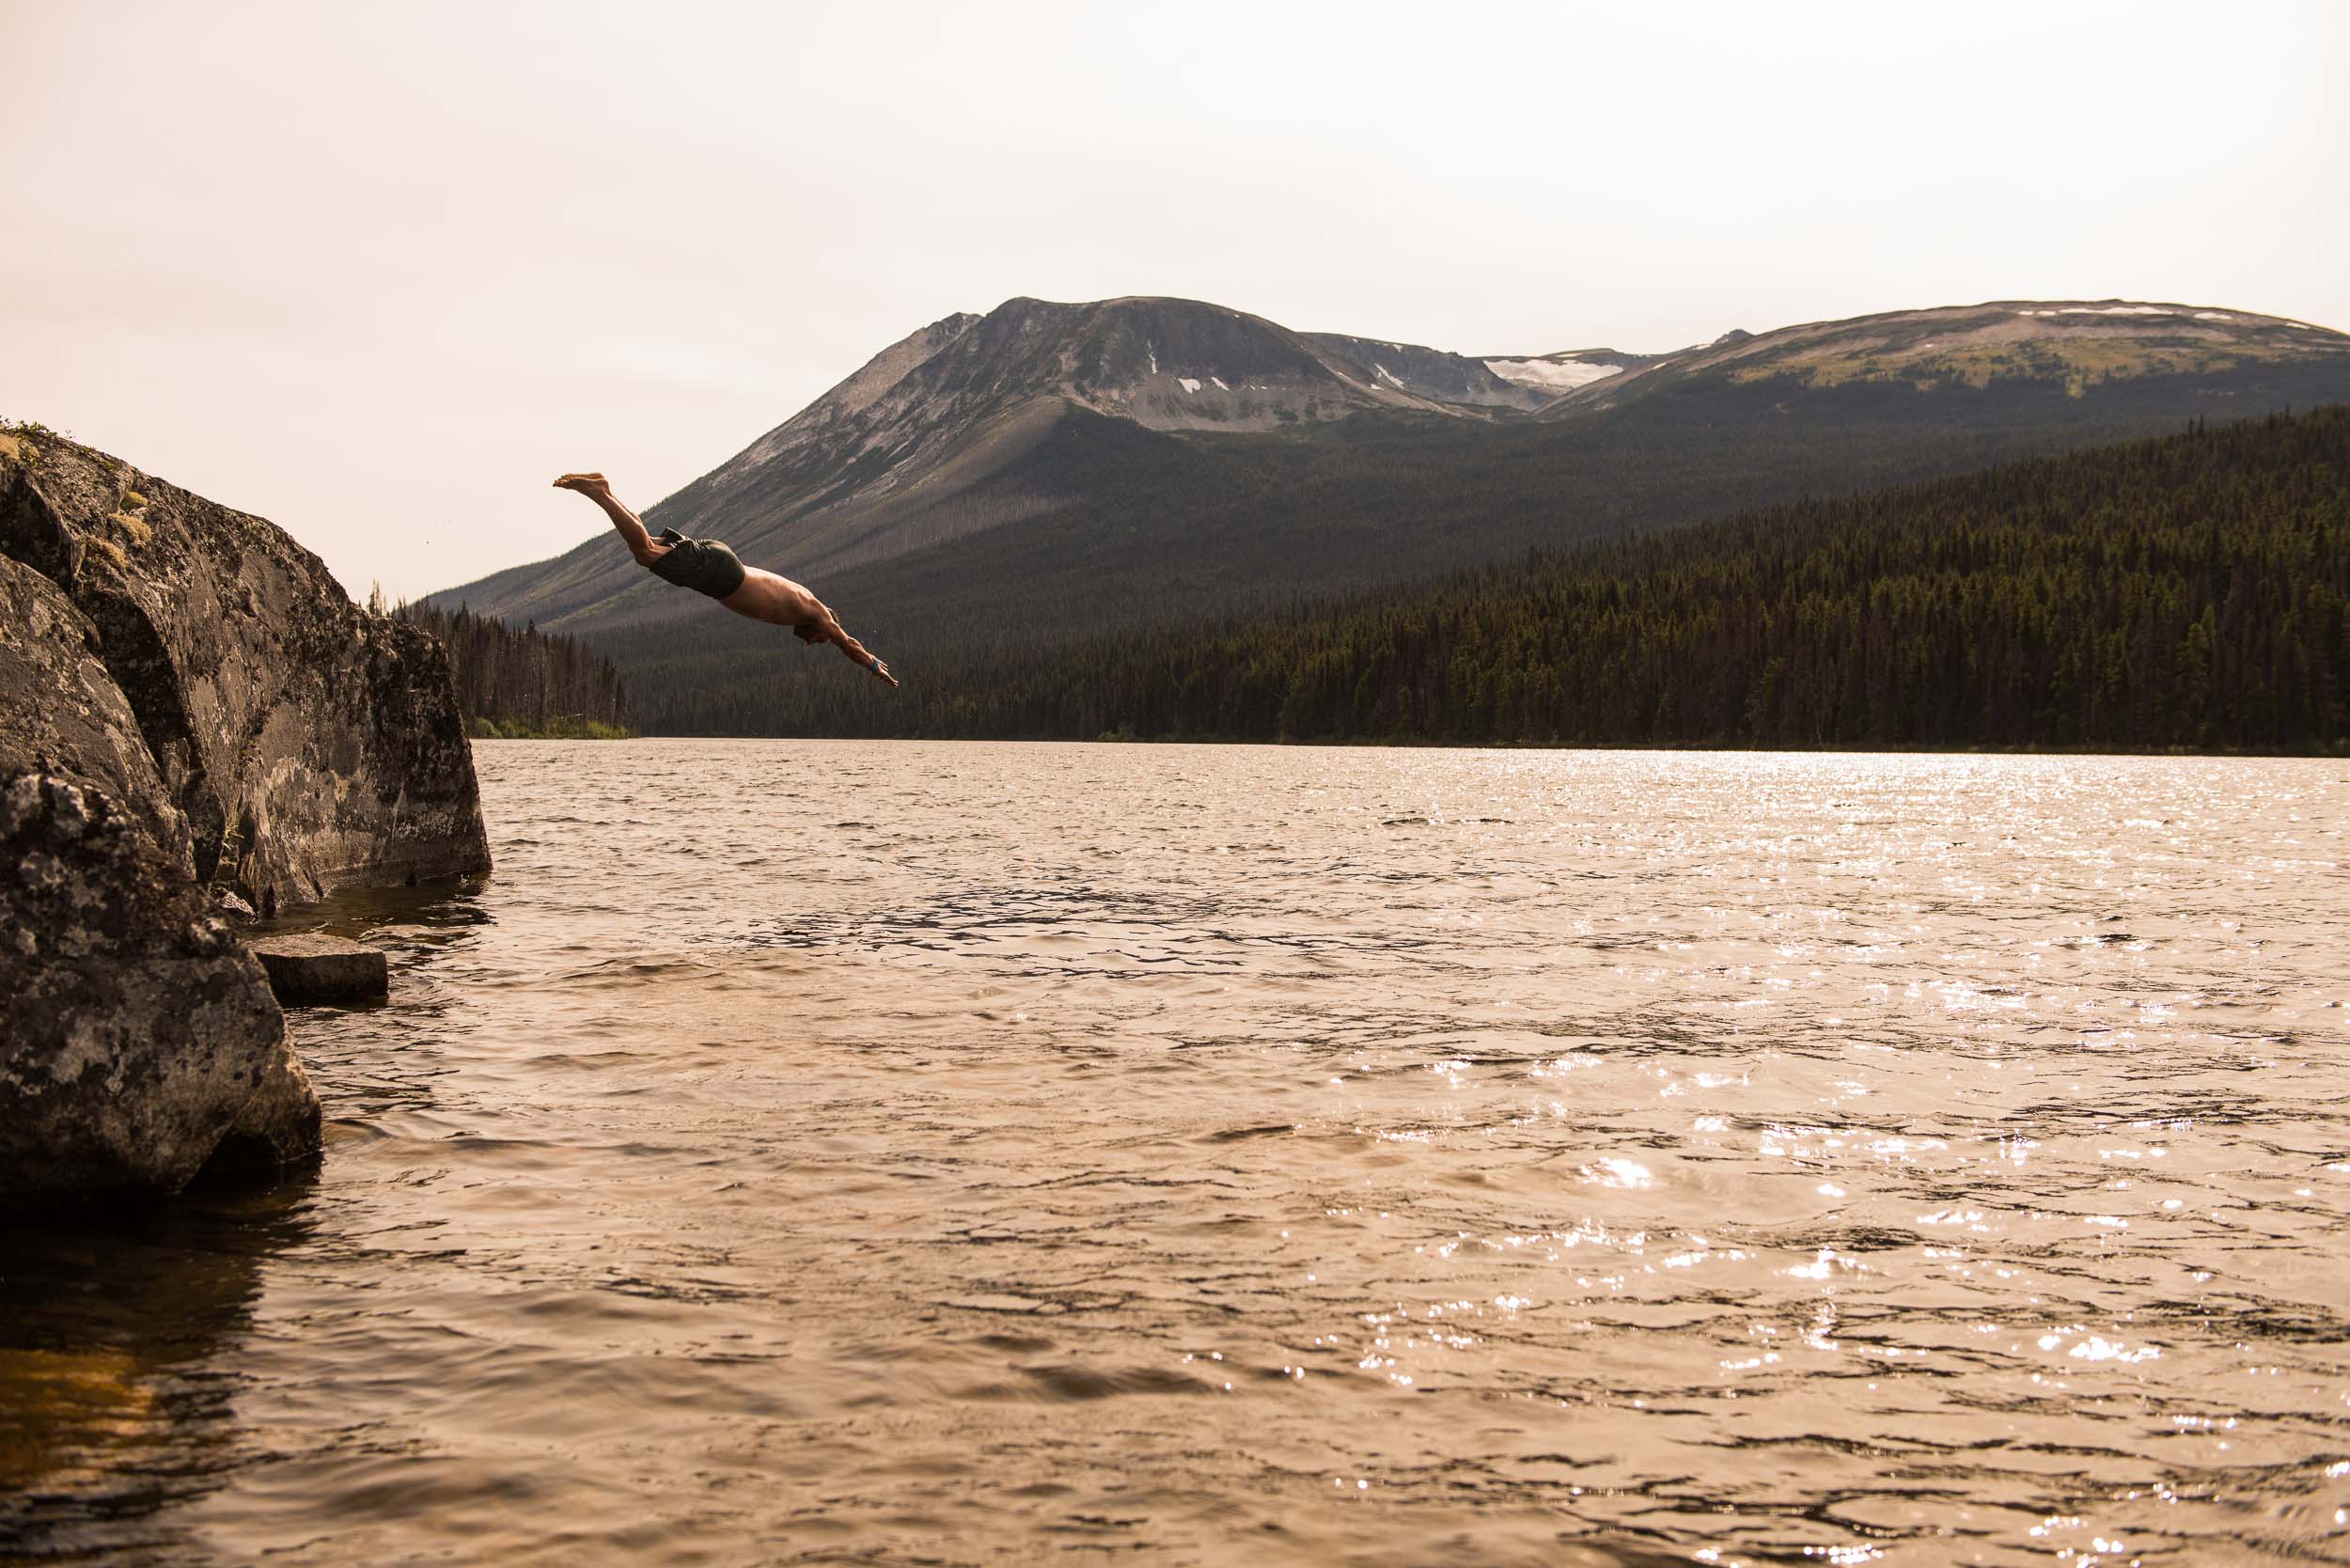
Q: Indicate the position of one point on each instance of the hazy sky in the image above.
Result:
(378, 272)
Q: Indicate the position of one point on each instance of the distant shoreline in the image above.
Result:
(516, 730)
(2340, 751)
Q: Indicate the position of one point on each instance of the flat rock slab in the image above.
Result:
(323, 968)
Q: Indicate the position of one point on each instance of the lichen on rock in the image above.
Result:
(308, 746)
(140, 1034)
(61, 712)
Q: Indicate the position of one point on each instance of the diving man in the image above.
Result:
(709, 567)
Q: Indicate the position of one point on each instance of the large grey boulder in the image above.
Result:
(62, 712)
(141, 1040)
(309, 746)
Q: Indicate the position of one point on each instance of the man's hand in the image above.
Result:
(883, 670)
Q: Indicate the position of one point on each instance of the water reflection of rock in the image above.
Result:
(420, 921)
(116, 1339)
(120, 1333)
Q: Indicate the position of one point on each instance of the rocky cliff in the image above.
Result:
(306, 744)
(186, 698)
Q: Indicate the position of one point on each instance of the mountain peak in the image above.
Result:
(953, 408)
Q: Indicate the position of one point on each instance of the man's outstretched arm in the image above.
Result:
(830, 630)
(632, 527)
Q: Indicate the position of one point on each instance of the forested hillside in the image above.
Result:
(1194, 529)
(526, 681)
(2184, 591)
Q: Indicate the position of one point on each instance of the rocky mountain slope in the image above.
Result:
(1147, 457)
(1452, 380)
(2079, 345)
(929, 440)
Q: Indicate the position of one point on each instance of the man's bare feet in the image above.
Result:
(586, 484)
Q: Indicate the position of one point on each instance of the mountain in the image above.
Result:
(1048, 470)
(2079, 344)
(927, 441)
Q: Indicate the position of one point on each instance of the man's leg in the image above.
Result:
(631, 527)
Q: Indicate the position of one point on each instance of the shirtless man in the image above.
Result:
(709, 567)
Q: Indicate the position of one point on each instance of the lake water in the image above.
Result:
(900, 1154)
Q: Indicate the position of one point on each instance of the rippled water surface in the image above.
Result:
(973, 1154)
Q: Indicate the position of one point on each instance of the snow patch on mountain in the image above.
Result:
(1551, 375)
(2114, 311)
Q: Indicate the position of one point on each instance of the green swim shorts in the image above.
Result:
(703, 565)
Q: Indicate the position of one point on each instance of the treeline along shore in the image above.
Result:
(2183, 593)
(522, 683)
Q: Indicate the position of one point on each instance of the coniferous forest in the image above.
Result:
(525, 682)
(2188, 591)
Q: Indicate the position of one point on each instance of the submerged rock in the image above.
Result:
(316, 968)
(141, 1040)
(309, 745)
